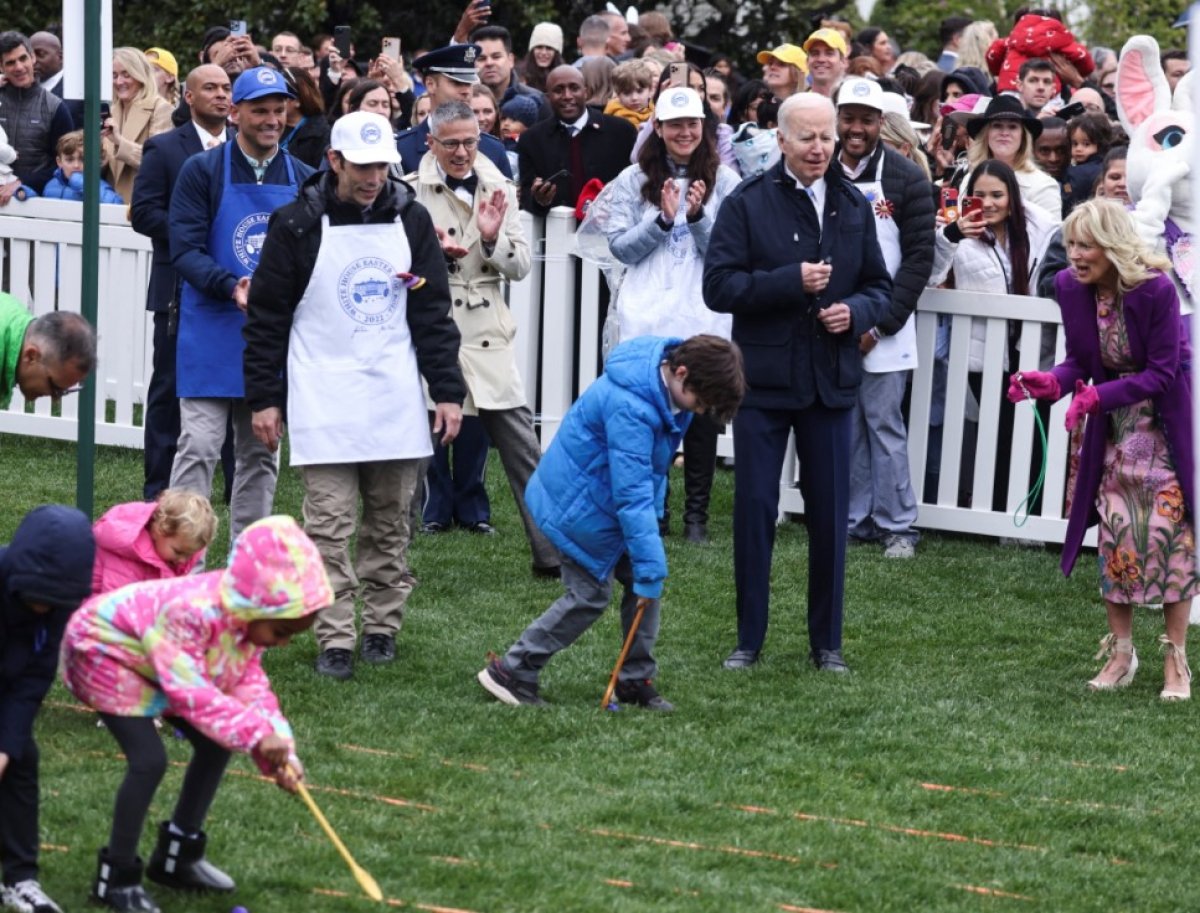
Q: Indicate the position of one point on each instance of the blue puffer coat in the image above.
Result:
(598, 491)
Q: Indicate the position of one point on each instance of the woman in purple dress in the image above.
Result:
(1128, 365)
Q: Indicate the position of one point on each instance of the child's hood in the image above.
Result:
(48, 561)
(275, 571)
(119, 529)
(636, 366)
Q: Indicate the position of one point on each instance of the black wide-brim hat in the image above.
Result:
(1004, 107)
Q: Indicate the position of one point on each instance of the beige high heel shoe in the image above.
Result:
(1172, 652)
(1110, 644)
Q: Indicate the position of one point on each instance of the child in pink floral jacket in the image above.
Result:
(190, 649)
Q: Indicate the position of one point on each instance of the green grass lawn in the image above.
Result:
(963, 766)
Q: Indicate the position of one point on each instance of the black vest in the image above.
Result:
(25, 115)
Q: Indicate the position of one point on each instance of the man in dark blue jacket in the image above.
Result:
(794, 257)
(44, 575)
(207, 92)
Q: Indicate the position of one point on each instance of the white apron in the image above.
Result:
(354, 392)
(899, 351)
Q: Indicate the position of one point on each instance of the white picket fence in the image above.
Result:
(40, 262)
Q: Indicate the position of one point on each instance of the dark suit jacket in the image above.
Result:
(545, 149)
(162, 158)
(412, 147)
(764, 230)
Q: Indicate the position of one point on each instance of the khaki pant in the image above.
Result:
(331, 495)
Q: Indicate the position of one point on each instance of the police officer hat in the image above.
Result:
(457, 61)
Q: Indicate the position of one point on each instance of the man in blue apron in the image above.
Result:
(349, 309)
(219, 212)
(882, 503)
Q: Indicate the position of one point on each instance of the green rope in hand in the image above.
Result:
(1021, 514)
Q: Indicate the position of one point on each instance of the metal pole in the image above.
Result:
(85, 455)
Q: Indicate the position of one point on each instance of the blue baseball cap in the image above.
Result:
(258, 82)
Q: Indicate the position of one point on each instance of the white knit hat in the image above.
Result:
(547, 35)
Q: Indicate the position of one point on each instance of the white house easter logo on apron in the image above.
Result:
(248, 239)
(368, 291)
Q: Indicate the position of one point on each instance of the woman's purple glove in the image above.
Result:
(1040, 384)
(1086, 402)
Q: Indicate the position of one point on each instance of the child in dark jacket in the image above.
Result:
(1090, 136)
(44, 575)
(598, 492)
(67, 182)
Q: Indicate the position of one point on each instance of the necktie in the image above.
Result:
(569, 128)
(470, 183)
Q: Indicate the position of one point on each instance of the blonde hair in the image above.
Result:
(974, 43)
(978, 152)
(631, 75)
(897, 130)
(141, 69)
(917, 61)
(186, 514)
(1108, 225)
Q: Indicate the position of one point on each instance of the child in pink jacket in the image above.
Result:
(152, 540)
(190, 648)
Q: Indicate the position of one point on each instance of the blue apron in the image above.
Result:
(210, 344)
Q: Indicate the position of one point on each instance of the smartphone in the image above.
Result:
(678, 75)
(237, 28)
(391, 48)
(341, 40)
(949, 203)
(483, 4)
(970, 206)
(949, 131)
(1074, 109)
(558, 174)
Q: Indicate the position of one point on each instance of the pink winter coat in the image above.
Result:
(179, 647)
(125, 552)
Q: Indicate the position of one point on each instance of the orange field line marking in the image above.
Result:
(789, 908)
(895, 829)
(334, 790)
(395, 902)
(55, 848)
(445, 762)
(996, 794)
(455, 860)
(990, 892)
(67, 705)
(688, 845)
(618, 883)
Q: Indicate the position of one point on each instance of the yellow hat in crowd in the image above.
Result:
(164, 60)
(786, 53)
(831, 37)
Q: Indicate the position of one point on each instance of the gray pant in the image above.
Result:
(574, 612)
(511, 432)
(882, 503)
(202, 435)
(331, 494)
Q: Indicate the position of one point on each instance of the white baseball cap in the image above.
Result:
(859, 91)
(364, 138)
(678, 103)
(895, 103)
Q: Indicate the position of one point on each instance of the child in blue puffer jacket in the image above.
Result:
(67, 182)
(597, 495)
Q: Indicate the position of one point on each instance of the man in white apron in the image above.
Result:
(349, 309)
(218, 213)
(882, 503)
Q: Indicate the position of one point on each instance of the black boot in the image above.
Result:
(120, 887)
(178, 862)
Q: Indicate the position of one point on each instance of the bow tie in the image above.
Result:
(470, 183)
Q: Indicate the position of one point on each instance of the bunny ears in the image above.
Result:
(630, 14)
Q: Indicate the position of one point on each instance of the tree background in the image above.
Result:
(739, 28)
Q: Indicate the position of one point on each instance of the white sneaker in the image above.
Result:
(899, 547)
(27, 897)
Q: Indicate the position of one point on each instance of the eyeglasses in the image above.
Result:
(57, 391)
(455, 144)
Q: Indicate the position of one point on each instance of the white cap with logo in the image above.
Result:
(678, 103)
(858, 91)
(364, 138)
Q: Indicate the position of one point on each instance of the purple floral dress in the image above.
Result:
(1147, 549)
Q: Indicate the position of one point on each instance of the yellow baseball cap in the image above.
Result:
(831, 37)
(786, 53)
(164, 60)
